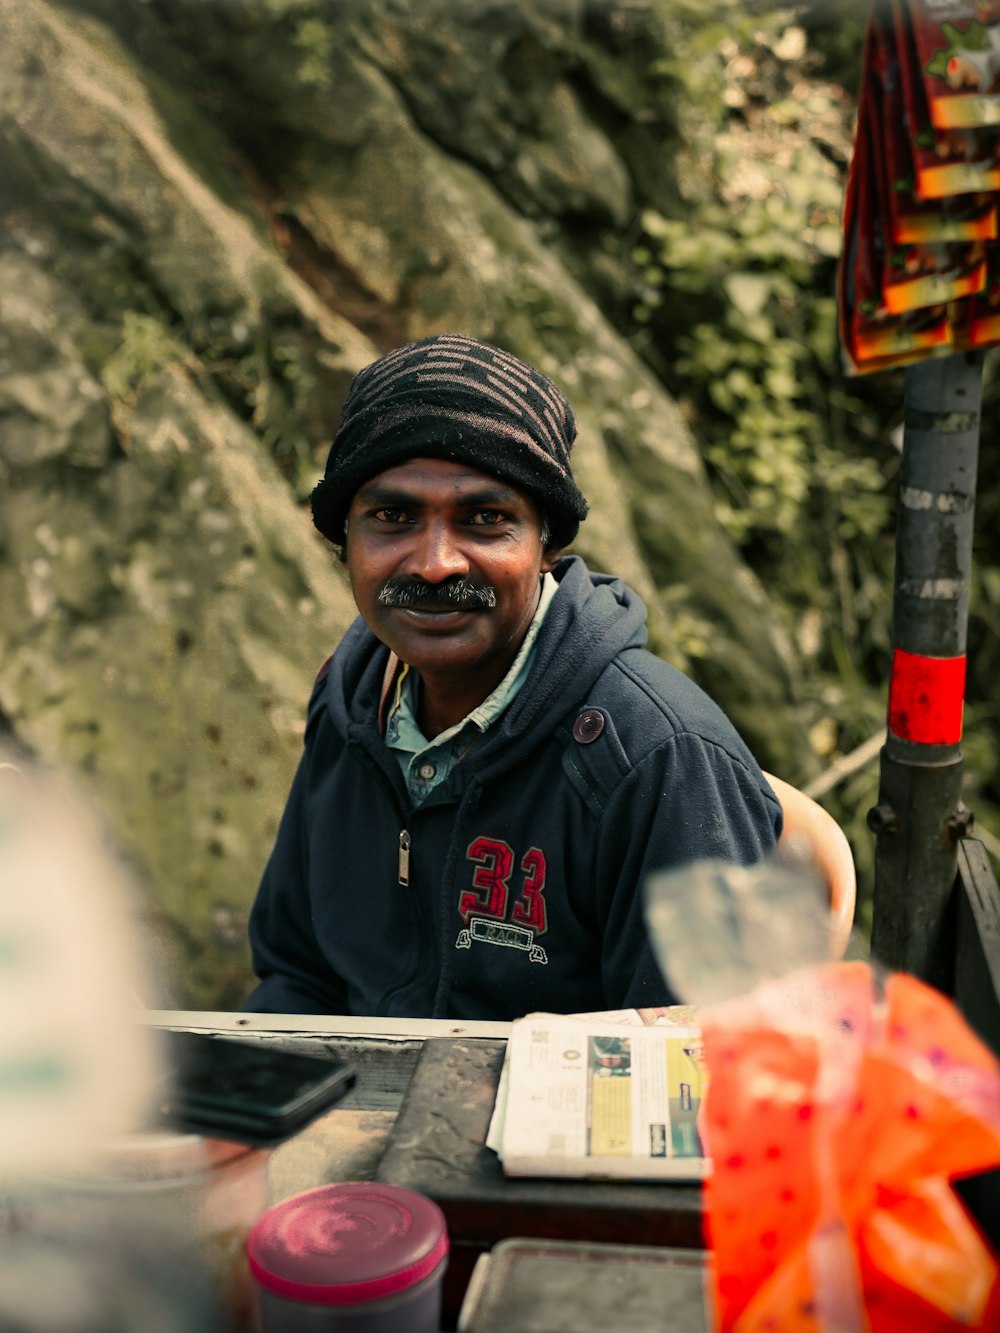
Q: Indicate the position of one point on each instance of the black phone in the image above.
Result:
(245, 1091)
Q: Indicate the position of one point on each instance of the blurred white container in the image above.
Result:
(192, 1199)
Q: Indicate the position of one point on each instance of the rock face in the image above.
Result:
(213, 215)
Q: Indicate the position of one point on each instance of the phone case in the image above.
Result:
(247, 1091)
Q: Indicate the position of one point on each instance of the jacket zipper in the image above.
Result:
(403, 878)
(404, 849)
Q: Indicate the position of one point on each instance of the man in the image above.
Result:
(492, 761)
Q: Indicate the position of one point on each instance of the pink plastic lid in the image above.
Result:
(342, 1244)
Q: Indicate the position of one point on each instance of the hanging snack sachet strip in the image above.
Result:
(919, 272)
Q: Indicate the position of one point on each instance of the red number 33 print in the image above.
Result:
(494, 861)
(529, 909)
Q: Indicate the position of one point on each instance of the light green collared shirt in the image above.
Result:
(426, 763)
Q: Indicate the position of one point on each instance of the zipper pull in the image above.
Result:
(404, 858)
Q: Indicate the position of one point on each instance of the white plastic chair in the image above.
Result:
(806, 821)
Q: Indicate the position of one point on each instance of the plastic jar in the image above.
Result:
(350, 1258)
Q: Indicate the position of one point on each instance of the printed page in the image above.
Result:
(603, 1099)
(675, 1015)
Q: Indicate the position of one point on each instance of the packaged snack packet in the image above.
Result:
(913, 220)
(902, 343)
(910, 219)
(918, 276)
(984, 309)
(947, 160)
(839, 1110)
(958, 47)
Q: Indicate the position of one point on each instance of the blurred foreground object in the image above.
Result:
(174, 1211)
(107, 1228)
(717, 929)
(839, 1110)
(75, 1064)
(102, 1283)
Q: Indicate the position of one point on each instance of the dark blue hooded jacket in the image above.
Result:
(526, 865)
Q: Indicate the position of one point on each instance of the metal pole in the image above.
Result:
(919, 817)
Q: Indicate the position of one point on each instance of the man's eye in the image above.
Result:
(388, 514)
(487, 518)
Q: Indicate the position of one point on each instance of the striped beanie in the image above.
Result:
(456, 398)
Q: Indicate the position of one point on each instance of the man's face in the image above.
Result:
(444, 563)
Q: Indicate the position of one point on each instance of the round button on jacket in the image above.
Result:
(588, 726)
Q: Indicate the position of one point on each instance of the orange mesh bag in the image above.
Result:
(838, 1111)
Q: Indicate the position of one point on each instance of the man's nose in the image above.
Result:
(437, 554)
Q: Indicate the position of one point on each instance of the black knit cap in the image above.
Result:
(457, 398)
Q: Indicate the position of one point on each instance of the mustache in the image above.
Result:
(454, 594)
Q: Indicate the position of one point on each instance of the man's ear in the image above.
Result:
(550, 556)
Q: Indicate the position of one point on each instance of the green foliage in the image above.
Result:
(315, 40)
(736, 309)
(275, 387)
(145, 348)
(835, 30)
(755, 355)
(691, 635)
(272, 382)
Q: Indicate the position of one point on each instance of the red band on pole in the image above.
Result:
(925, 698)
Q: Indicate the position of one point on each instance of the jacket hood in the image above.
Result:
(589, 621)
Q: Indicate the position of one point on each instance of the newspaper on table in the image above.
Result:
(611, 1094)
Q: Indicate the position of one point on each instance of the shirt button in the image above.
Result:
(427, 771)
(588, 726)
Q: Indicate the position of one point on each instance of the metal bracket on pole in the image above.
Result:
(919, 819)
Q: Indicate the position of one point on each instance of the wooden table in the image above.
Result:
(417, 1117)
(348, 1142)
